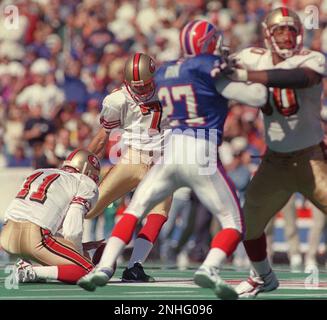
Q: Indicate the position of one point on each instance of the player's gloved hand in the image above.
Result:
(230, 69)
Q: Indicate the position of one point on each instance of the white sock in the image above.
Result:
(215, 258)
(140, 252)
(46, 273)
(261, 267)
(113, 249)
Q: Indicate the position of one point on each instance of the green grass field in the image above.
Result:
(171, 284)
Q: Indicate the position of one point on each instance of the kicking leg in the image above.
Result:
(156, 186)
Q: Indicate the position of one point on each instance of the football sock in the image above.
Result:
(257, 251)
(121, 235)
(70, 273)
(140, 252)
(215, 258)
(46, 272)
(152, 227)
(146, 237)
(261, 267)
(227, 240)
(65, 273)
(222, 246)
(112, 251)
(124, 228)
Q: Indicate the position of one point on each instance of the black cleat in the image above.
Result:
(136, 274)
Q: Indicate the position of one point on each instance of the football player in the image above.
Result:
(136, 110)
(48, 201)
(197, 107)
(295, 160)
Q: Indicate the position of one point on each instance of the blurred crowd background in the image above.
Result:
(65, 56)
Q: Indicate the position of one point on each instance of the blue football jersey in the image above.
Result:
(188, 95)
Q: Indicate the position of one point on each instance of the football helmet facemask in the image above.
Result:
(282, 17)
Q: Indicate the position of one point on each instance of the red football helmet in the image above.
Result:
(199, 36)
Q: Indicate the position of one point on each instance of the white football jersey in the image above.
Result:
(143, 122)
(292, 117)
(46, 195)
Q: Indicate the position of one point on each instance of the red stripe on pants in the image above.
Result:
(62, 250)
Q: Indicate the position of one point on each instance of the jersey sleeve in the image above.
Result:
(203, 66)
(86, 195)
(248, 58)
(84, 199)
(254, 94)
(110, 116)
(315, 61)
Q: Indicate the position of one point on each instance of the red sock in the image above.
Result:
(256, 249)
(151, 229)
(70, 273)
(226, 240)
(125, 227)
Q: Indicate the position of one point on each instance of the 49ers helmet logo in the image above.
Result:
(94, 161)
(152, 66)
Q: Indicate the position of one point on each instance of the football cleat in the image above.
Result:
(208, 277)
(24, 272)
(99, 277)
(256, 284)
(136, 274)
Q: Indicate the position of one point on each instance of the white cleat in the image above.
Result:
(24, 272)
(99, 277)
(256, 284)
(207, 277)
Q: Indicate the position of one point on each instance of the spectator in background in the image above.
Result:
(36, 127)
(49, 148)
(39, 159)
(43, 91)
(18, 158)
(14, 129)
(84, 134)
(63, 144)
(74, 88)
(92, 115)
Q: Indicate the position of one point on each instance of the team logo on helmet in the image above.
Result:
(152, 66)
(94, 161)
(197, 37)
